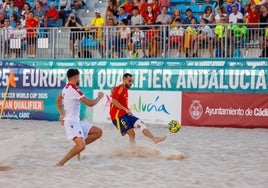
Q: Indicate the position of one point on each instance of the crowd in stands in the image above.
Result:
(153, 26)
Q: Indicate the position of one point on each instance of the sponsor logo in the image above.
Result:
(196, 109)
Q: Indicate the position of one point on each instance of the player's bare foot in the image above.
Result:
(159, 139)
(58, 165)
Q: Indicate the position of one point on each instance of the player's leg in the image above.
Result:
(79, 146)
(93, 134)
(131, 135)
(140, 124)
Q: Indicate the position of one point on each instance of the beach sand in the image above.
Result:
(192, 157)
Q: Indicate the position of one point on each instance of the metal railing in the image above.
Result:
(154, 41)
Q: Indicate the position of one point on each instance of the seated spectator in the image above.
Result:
(229, 7)
(76, 33)
(206, 35)
(26, 9)
(163, 18)
(11, 8)
(136, 19)
(39, 13)
(52, 17)
(65, 10)
(209, 15)
(111, 15)
(235, 15)
(190, 35)
(112, 6)
(207, 3)
(137, 40)
(123, 38)
(155, 6)
(219, 16)
(177, 14)
(143, 8)
(13, 20)
(123, 15)
(218, 4)
(176, 36)
(19, 4)
(136, 3)
(189, 16)
(128, 5)
(150, 16)
(31, 24)
(20, 34)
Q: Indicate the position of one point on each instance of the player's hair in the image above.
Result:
(127, 75)
(72, 72)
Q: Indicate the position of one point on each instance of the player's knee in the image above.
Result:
(131, 133)
(140, 125)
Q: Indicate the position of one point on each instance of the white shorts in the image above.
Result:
(75, 129)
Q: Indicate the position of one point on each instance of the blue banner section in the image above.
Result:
(38, 82)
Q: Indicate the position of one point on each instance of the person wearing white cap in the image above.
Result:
(98, 21)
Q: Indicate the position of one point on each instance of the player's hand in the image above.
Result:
(129, 112)
(100, 94)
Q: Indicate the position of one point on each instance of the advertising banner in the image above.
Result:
(150, 106)
(225, 109)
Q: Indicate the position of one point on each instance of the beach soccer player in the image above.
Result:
(68, 105)
(122, 117)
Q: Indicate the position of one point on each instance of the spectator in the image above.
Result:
(26, 9)
(7, 33)
(176, 36)
(110, 15)
(207, 3)
(163, 18)
(252, 17)
(220, 35)
(137, 40)
(123, 15)
(209, 15)
(155, 6)
(11, 9)
(98, 22)
(20, 34)
(128, 6)
(263, 25)
(52, 16)
(177, 15)
(13, 20)
(230, 9)
(19, 4)
(152, 41)
(65, 10)
(218, 4)
(239, 33)
(111, 37)
(164, 3)
(190, 35)
(112, 6)
(2, 19)
(143, 8)
(136, 3)
(76, 33)
(235, 15)
(39, 13)
(1, 5)
(206, 35)
(219, 16)
(31, 24)
(150, 16)
(123, 38)
(136, 19)
(189, 16)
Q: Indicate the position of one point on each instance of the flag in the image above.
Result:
(11, 80)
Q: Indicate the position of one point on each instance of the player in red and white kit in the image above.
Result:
(68, 105)
(122, 117)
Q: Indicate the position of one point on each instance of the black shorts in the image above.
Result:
(76, 36)
(31, 40)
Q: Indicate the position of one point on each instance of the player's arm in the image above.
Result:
(93, 102)
(59, 107)
(120, 106)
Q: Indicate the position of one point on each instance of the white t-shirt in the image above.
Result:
(209, 32)
(233, 18)
(71, 102)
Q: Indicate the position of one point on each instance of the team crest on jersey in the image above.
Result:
(196, 109)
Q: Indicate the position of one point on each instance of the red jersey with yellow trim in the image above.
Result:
(119, 93)
(31, 24)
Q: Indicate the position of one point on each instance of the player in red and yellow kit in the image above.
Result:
(121, 115)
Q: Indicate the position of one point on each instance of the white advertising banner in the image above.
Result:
(150, 106)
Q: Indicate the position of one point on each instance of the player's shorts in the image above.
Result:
(124, 123)
(75, 129)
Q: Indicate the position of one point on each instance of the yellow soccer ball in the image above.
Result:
(174, 126)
